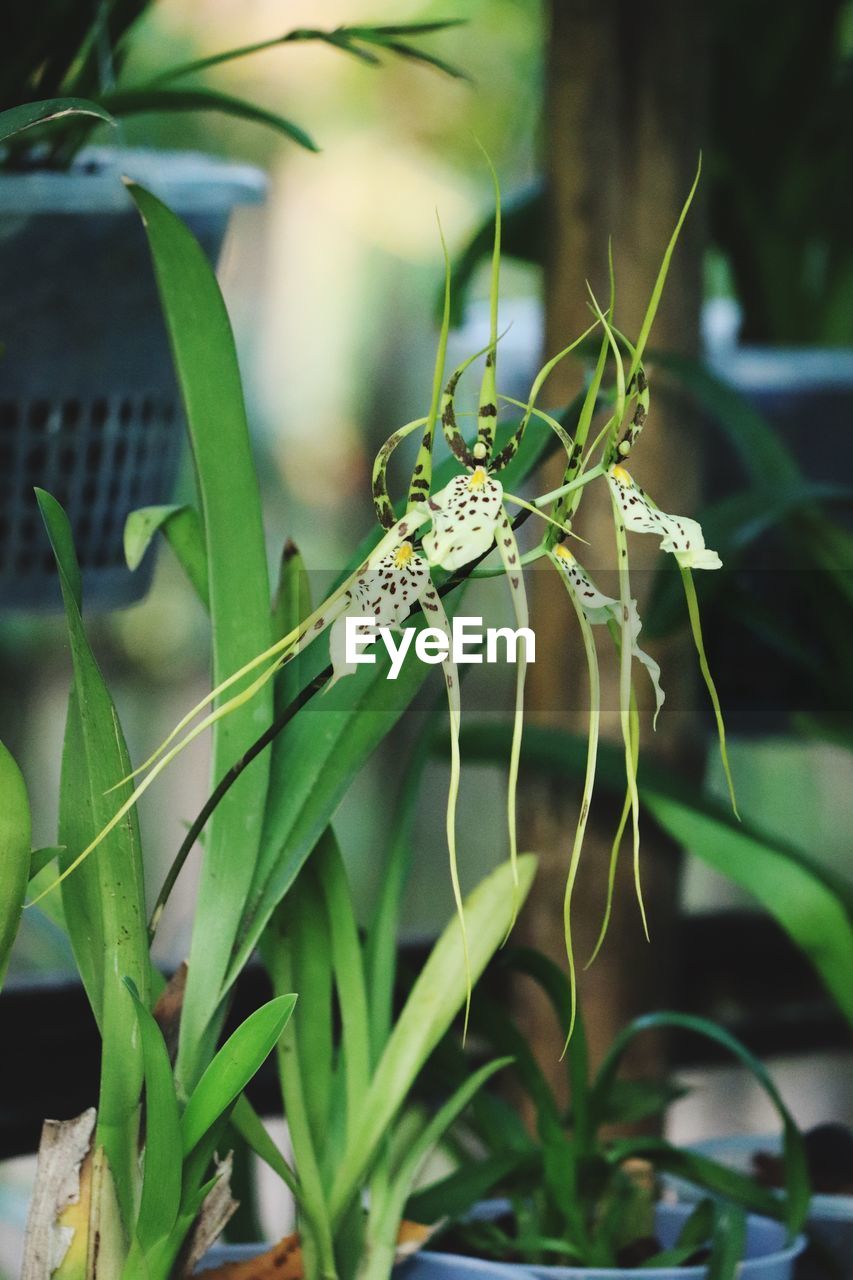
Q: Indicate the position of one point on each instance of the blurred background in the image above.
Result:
(594, 116)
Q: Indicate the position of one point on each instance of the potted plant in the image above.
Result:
(579, 1203)
(97, 1211)
(827, 1149)
(278, 781)
(89, 407)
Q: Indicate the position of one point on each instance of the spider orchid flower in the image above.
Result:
(678, 534)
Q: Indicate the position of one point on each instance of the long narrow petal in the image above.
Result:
(382, 503)
(600, 608)
(509, 553)
(625, 657)
(586, 798)
(696, 629)
(617, 839)
(434, 612)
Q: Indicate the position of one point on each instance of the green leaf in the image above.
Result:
(436, 998)
(348, 969)
(796, 1173)
(765, 458)
(15, 864)
(252, 1130)
(380, 953)
(162, 1170)
(146, 99)
(343, 37)
(784, 883)
(696, 1232)
(385, 1217)
(233, 1067)
(182, 528)
(209, 378)
(104, 899)
(727, 1242)
(454, 1195)
(41, 858)
(17, 119)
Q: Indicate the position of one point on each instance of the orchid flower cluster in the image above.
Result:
(454, 528)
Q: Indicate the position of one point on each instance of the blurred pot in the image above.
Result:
(89, 407)
(830, 1220)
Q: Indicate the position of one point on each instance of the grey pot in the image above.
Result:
(89, 407)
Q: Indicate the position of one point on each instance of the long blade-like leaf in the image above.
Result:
(238, 585)
(18, 119)
(232, 1068)
(144, 100)
(104, 900)
(161, 1180)
(436, 998)
(15, 833)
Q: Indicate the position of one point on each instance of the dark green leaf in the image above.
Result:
(15, 862)
(161, 1179)
(209, 378)
(143, 100)
(17, 119)
(182, 528)
(104, 898)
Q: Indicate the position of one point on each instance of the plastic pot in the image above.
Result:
(89, 407)
(830, 1219)
(423, 1266)
(768, 1256)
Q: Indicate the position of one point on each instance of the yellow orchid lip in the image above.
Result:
(478, 478)
(621, 476)
(403, 555)
(563, 553)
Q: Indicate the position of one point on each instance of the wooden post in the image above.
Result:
(624, 113)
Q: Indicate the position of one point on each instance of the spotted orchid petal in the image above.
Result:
(384, 594)
(599, 608)
(465, 517)
(679, 534)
